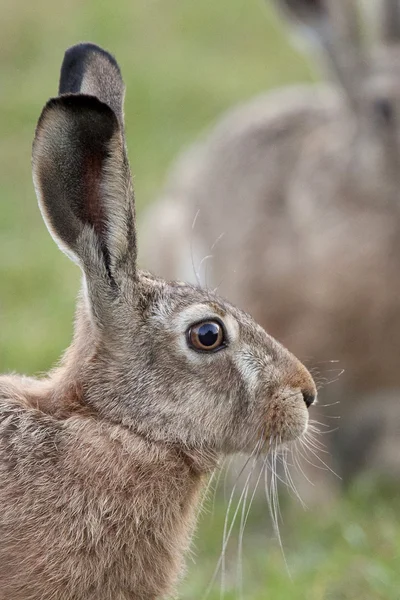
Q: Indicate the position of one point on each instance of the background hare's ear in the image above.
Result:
(335, 26)
(309, 12)
(80, 168)
(390, 21)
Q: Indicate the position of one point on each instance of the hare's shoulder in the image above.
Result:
(36, 423)
(20, 395)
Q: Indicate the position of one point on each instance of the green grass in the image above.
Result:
(184, 63)
(347, 551)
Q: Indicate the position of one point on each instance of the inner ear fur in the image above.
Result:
(83, 184)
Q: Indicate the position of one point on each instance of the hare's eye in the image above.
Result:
(206, 336)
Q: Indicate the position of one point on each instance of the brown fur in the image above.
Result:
(90, 510)
(102, 462)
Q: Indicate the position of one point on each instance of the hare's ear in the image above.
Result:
(81, 173)
(308, 12)
(335, 26)
(390, 21)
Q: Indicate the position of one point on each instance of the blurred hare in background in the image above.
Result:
(291, 207)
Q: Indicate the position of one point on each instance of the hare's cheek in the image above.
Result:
(286, 417)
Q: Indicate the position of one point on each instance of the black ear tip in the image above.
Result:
(75, 63)
(310, 4)
(83, 50)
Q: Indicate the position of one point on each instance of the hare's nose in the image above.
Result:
(308, 397)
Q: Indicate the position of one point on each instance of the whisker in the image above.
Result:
(196, 274)
(243, 526)
(263, 466)
(203, 260)
(273, 505)
(312, 424)
(210, 482)
(221, 470)
(328, 432)
(227, 532)
(327, 416)
(320, 460)
(328, 404)
(313, 443)
(216, 478)
(289, 479)
(227, 470)
(219, 238)
(316, 444)
(215, 290)
(298, 465)
(308, 461)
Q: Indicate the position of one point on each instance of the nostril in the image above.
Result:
(308, 397)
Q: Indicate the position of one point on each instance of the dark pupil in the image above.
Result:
(208, 334)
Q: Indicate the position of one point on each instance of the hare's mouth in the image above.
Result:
(287, 417)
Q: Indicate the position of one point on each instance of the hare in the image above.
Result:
(291, 207)
(102, 462)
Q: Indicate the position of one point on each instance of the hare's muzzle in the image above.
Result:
(299, 378)
(287, 411)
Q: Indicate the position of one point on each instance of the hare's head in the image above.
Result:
(173, 362)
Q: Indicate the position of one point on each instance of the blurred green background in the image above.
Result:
(184, 63)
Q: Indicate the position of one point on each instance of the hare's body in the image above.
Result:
(89, 510)
(299, 192)
(102, 463)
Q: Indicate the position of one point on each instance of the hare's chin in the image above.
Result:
(287, 419)
(295, 430)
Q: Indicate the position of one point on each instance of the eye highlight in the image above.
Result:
(207, 336)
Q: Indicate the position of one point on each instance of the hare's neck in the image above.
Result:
(154, 528)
